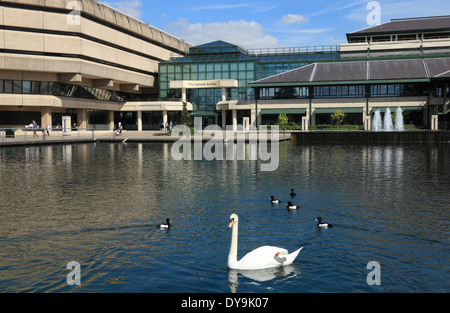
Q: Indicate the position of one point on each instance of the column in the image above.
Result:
(224, 94)
(164, 117)
(46, 117)
(82, 119)
(367, 122)
(224, 119)
(111, 120)
(183, 94)
(139, 120)
(305, 123)
(253, 117)
(313, 119)
(434, 122)
(234, 120)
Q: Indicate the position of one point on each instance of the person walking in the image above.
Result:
(35, 126)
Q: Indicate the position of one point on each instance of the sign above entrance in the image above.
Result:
(197, 84)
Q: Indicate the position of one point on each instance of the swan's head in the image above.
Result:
(233, 220)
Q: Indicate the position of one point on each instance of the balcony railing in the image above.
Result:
(295, 50)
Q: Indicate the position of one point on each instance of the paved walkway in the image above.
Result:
(107, 136)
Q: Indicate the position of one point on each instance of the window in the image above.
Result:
(1, 86)
(35, 88)
(26, 87)
(44, 88)
(17, 86)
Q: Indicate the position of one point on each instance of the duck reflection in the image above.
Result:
(284, 272)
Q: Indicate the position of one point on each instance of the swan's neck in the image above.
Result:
(232, 256)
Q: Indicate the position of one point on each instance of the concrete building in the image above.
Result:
(83, 59)
(405, 62)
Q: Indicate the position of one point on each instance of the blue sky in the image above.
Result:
(268, 24)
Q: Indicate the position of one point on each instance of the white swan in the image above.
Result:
(260, 258)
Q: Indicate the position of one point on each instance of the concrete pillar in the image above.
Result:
(111, 120)
(164, 117)
(246, 123)
(434, 122)
(183, 94)
(139, 120)
(367, 122)
(234, 120)
(46, 117)
(82, 118)
(224, 119)
(305, 123)
(313, 119)
(253, 117)
(224, 94)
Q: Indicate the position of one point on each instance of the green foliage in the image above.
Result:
(338, 117)
(185, 117)
(283, 119)
(337, 127)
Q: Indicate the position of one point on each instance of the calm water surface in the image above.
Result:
(98, 204)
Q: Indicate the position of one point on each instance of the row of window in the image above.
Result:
(223, 70)
(64, 90)
(401, 37)
(344, 91)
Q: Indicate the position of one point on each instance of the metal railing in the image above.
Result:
(295, 50)
(43, 134)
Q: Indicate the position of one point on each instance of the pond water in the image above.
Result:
(98, 204)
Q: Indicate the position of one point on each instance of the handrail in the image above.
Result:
(295, 50)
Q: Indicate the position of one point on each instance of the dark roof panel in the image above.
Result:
(341, 71)
(397, 69)
(360, 71)
(438, 67)
(408, 25)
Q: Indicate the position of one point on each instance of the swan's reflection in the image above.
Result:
(267, 274)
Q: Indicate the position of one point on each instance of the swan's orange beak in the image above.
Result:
(231, 224)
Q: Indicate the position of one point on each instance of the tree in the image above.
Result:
(185, 117)
(283, 119)
(338, 117)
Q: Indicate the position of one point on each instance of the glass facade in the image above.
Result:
(206, 99)
(221, 60)
(345, 91)
(66, 90)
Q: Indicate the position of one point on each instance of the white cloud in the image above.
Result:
(243, 33)
(293, 19)
(130, 7)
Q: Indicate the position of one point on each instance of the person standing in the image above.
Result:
(35, 127)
